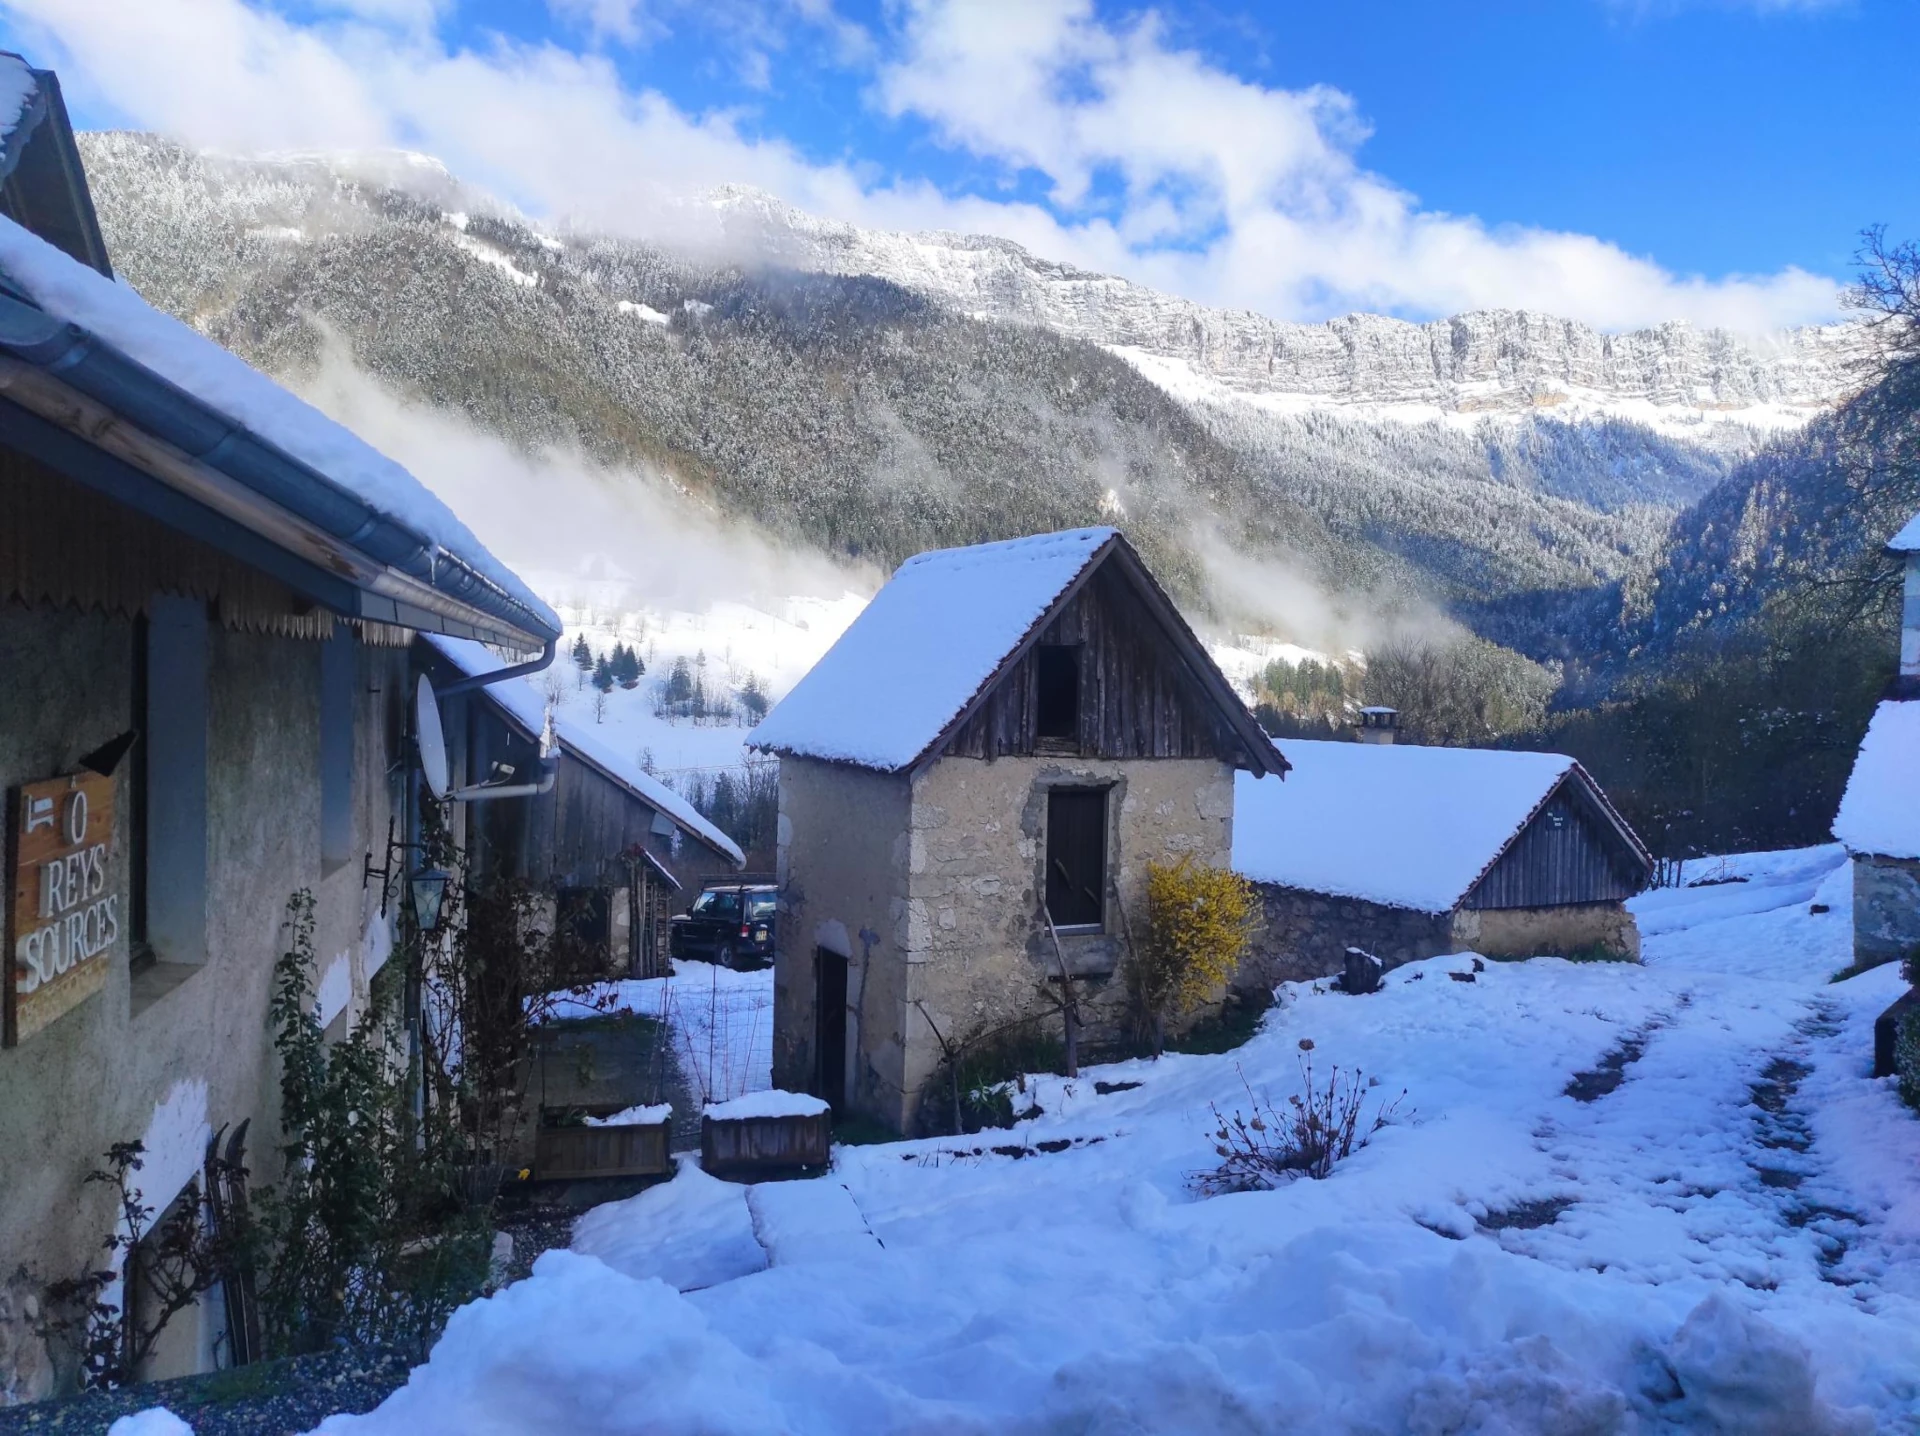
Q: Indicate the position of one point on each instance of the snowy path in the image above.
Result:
(1723, 1239)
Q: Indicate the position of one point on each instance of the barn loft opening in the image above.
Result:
(1057, 691)
(1076, 856)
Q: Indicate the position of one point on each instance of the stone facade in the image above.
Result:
(933, 888)
(1565, 930)
(175, 1052)
(1886, 908)
(1305, 935)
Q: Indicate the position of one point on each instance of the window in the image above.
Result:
(760, 906)
(1057, 690)
(170, 887)
(723, 905)
(336, 749)
(1076, 856)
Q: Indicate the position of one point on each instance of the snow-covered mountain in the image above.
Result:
(1488, 361)
(866, 394)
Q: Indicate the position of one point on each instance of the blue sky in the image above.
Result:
(1617, 161)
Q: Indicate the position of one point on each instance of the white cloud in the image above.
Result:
(1157, 164)
(623, 20)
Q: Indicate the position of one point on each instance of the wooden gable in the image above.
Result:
(1574, 849)
(1146, 687)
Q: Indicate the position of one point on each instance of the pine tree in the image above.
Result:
(583, 655)
(679, 682)
(603, 675)
(753, 699)
(627, 666)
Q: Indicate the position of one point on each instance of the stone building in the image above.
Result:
(988, 757)
(605, 836)
(207, 596)
(1409, 852)
(1879, 817)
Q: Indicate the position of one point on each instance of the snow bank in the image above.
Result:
(771, 1103)
(528, 707)
(919, 652)
(1880, 811)
(1399, 825)
(635, 1116)
(811, 1221)
(695, 1231)
(69, 290)
(154, 1421)
(578, 1348)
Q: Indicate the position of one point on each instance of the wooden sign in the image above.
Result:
(65, 910)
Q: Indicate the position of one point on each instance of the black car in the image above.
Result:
(729, 923)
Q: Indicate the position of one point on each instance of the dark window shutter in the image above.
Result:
(1076, 856)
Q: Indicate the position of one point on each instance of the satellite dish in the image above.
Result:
(433, 743)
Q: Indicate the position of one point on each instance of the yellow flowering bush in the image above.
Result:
(1199, 921)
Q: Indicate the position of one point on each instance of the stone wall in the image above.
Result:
(1886, 908)
(842, 855)
(1567, 930)
(180, 1052)
(1305, 935)
(976, 942)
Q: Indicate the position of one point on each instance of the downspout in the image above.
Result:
(500, 675)
(549, 745)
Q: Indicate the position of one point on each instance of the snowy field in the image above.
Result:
(1725, 1241)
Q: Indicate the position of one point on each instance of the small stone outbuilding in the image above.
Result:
(1879, 817)
(1409, 852)
(1006, 735)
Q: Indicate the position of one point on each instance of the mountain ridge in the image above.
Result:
(1490, 360)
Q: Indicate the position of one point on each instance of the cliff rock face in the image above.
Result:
(1487, 360)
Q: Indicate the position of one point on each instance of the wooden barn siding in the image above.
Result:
(590, 822)
(570, 836)
(1137, 699)
(1580, 861)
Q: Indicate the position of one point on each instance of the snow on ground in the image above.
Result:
(1722, 1239)
(725, 644)
(721, 1020)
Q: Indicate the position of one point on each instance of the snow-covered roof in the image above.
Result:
(1908, 539)
(68, 291)
(19, 87)
(526, 706)
(1880, 811)
(919, 652)
(932, 638)
(1397, 825)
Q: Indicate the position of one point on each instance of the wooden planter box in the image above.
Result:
(570, 1153)
(756, 1146)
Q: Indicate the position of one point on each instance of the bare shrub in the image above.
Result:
(1308, 1135)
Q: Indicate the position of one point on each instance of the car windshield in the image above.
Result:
(759, 906)
(717, 904)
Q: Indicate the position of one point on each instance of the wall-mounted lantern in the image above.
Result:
(428, 888)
